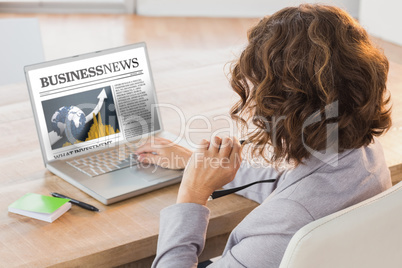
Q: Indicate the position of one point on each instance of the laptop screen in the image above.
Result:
(93, 101)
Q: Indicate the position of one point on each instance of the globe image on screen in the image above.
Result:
(70, 117)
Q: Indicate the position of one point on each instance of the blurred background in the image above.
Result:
(25, 37)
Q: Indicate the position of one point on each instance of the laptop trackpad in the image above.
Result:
(151, 172)
(128, 179)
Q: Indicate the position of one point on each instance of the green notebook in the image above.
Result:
(41, 207)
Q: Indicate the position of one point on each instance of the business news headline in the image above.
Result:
(90, 72)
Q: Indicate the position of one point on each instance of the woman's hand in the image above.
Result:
(212, 166)
(164, 153)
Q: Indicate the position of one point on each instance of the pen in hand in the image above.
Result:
(76, 202)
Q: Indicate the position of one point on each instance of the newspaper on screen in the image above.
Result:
(96, 102)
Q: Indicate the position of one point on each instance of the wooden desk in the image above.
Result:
(187, 57)
(121, 233)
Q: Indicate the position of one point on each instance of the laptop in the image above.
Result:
(91, 112)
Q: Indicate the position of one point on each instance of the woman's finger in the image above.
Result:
(204, 145)
(215, 145)
(226, 147)
(235, 157)
(149, 158)
(146, 148)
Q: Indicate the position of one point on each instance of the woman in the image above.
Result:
(315, 87)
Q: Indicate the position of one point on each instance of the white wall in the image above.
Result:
(230, 8)
(20, 45)
(382, 19)
(67, 6)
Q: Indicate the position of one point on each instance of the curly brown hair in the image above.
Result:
(297, 62)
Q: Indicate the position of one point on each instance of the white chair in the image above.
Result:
(366, 235)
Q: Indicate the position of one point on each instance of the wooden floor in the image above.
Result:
(188, 57)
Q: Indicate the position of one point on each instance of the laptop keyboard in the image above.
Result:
(105, 161)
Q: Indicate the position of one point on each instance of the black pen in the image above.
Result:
(76, 202)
